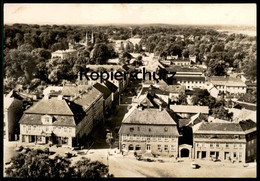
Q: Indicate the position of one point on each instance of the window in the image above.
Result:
(138, 128)
(227, 145)
(70, 130)
(47, 128)
(29, 127)
(240, 154)
(159, 147)
(138, 137)
(235, 145)
(211, 145)
(217, 145)
(34, 128)
(165, 147)
(203, 145)
(149, 130)
(148, 138)
(65, 130)
(166, 138)
(159, 138)
(137, 147)
(172, 148)
(154, 138)
(24, 127)
(165, 129)
(148, 147)
(131, 129)
(59, 129)
(248, 152)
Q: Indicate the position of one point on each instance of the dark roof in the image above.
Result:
(104, 90)
(246, 106)
(150, 117)
(183, 122)
(152, 130)
(173, 88)
(35, 119)
(112, 87)
(190, 78)
(247, 124)
(52, 106)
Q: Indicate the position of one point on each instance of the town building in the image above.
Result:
(13, 110)
(186, 111)
(149, 130)
(228, 84)
(225, 141)
(189, 77)
(107, 96)
(49, 121)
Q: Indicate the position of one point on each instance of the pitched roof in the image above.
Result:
(103, 89)
(151, 130)
(177, 68)
(233, 128)
(86, 98)
(35, 119)
(190, 109)
(173, 88)
(150, 117)
(226, 81)
(51, 106)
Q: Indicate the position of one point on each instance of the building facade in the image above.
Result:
(225, 141)
(149, 131)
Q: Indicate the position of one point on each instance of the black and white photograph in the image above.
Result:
(111, 90)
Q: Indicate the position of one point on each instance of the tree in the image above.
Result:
(217, 68)
(222, 113)
(86, 169)
(37, 164)
(182, 99)
(129, 47)
(203, 98)
(100, 53)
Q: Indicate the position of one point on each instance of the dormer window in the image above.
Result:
(46, 119)
(165, 129)
(131, 129)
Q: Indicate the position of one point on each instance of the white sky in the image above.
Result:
(232, 14)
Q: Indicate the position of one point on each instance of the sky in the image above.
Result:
(211, 14)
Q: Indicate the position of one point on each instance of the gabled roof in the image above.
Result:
(104, 90)
(72, 90)
(190, 78)
(86, 98)
(190, 109)
(173, 88)
(51, 106)
(35, 119)
(150, 117)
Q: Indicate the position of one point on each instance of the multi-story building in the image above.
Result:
(149, 130)
(13, 110)
(225, 141)
(228, 84)
(189, 77)
(49, 121)
(64, 119)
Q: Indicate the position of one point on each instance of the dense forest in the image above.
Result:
(28, 48)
